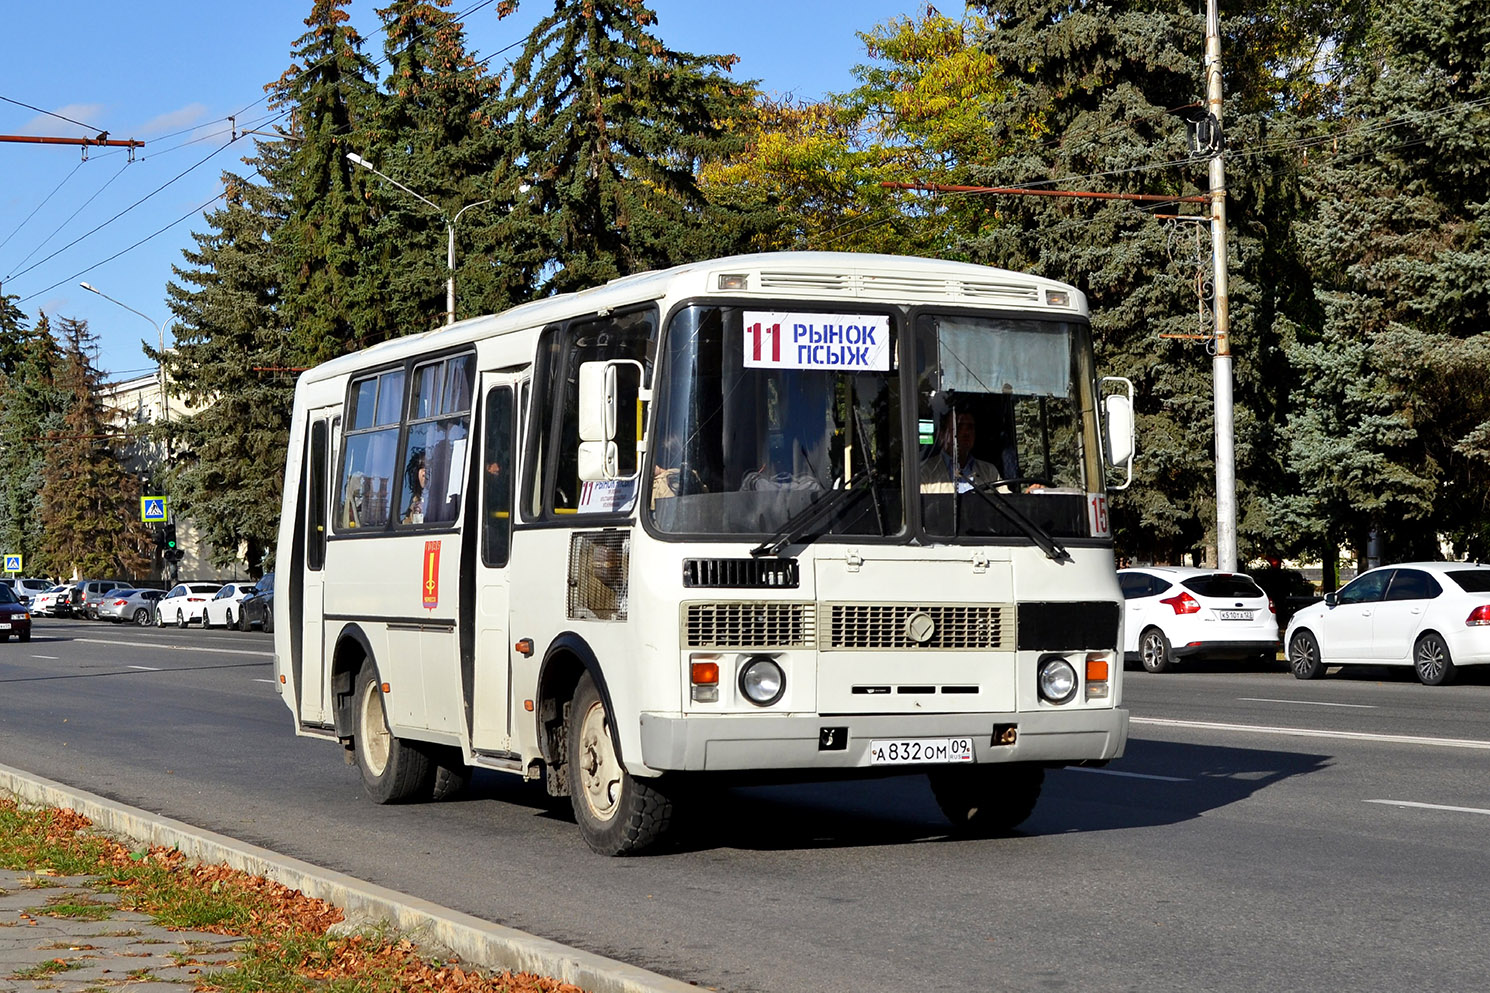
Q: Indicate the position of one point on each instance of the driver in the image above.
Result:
(951, 467)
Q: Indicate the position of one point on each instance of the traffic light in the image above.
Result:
(171, 553)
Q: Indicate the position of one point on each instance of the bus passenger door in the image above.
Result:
(318, 469)
(491, 706)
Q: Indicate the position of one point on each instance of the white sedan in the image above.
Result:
(184, 603)
(1432, 616)
(222, 609)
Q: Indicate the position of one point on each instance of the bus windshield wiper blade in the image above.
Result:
(998, 501)
(798, 522)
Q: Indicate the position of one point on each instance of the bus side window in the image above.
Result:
(434, 457)
(496, 476)
(369, 451)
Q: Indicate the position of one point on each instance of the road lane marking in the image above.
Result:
(1397, 739)
(54, 658)
(263, 680)
(1431, 806)
(181, 648)
(1127, 775)
(1307, 703)
(147, 668)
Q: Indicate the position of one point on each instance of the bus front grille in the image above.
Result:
(868, 627)
(913, 627)
(749, 625)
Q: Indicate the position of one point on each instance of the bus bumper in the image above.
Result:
(760, 742)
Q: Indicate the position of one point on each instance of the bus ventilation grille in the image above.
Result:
(754, 626)
(599, 573)
(741, 574)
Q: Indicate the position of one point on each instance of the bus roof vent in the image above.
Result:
(822, 282)
(908, 286)
(741, 574)
(988, 290)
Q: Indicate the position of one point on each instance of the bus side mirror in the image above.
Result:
(1117, 418)
(610, 397)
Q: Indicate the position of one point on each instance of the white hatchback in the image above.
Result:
(223, 608)
(1432, 616)
(184, 603)
(1176, 612)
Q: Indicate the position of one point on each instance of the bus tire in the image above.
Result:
(617, 813)
(451, 774)
(393, 770)
(988, 800)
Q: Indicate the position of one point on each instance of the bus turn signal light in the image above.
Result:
(703, 672)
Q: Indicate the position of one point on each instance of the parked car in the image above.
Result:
(184, 603)
(25, 589)
(258, 606)
(223, 608)
(1433, 616)
(1179, 612)
(15, 616)
(53, 603)
(91, 591)
(136, 606)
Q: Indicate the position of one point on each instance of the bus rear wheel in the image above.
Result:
(617, 814)
(988, 800)
(393, 770)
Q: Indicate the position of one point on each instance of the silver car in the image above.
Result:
(137, 606)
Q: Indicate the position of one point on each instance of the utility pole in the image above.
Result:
(1226, 553)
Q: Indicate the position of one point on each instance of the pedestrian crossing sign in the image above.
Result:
(154, 510)
(12, 563)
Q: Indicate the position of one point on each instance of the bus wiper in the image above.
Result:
(798, 523)
(870, 473)
(1001, 503)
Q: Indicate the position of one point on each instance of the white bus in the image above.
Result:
(782, 516)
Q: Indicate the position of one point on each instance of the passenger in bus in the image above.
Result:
(951, 467)
(416, 478)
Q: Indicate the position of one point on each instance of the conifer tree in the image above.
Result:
(604, 128)
(435, 135)
(333, 300)
(30, 409)
(90, 503)
(230, 365)
(1395, 438)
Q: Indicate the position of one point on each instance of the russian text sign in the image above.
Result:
(838, 342)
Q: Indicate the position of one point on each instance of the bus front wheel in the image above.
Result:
(393, 770)
(617, 813)
(988, 800)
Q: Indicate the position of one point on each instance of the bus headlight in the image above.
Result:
(762, 681)
(1057, 679)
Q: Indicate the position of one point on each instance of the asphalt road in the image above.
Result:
(1260, 834)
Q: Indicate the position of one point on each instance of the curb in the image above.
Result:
(477, 942)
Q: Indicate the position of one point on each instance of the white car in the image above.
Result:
(46, 604)
(1432, 616)
(222, 609)
(184, 603)
(1177, 612)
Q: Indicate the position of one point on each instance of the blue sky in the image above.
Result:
(170, 72)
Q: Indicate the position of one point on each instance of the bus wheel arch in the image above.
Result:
(567, 660)
(353, 651)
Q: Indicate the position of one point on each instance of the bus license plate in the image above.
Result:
(1236, 615)
(906, 751)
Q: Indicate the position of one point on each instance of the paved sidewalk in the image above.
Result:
(74, 955)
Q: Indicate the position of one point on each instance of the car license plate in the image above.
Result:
(1236, 615)
(907, 751)
(5, 627)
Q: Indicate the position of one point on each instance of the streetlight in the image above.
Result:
(160, 366)
(358, 160)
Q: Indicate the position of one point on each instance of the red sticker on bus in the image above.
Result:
(431, 585)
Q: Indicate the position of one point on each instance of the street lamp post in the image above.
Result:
(358, 160)
(160, 372)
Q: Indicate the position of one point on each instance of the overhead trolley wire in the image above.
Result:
(43, 203)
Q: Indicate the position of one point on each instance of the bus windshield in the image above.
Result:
(789, 422)
(759, 421)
